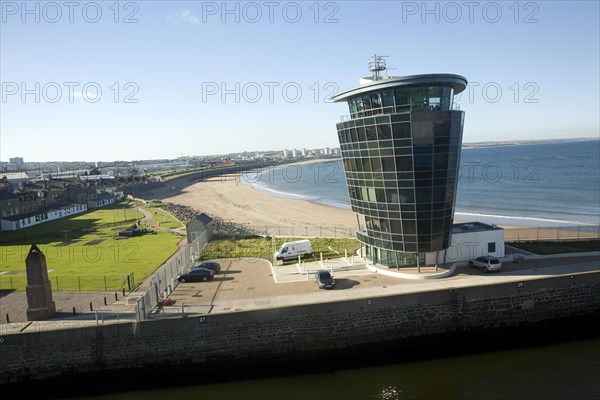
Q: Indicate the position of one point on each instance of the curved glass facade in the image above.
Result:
(401, 151)
(404, 99)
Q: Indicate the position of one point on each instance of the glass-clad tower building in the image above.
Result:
(401, 150)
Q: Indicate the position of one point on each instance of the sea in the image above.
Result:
(532, 185)
(550, 184)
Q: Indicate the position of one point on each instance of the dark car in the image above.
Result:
(196, 275)
(325, 280)
(215, 266)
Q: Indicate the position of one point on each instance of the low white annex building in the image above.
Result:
(12, 223)
(471, 240)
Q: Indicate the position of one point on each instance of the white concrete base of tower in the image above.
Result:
(416, 275)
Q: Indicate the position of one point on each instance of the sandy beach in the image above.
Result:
(230, 200)
(227, 198)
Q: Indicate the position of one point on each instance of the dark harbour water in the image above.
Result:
(554, 370)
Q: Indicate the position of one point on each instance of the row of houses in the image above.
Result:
(34, 203)
(14, 222)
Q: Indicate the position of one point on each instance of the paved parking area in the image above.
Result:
(244, 284)
(251, 279)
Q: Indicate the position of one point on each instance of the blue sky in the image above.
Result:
(198, 78)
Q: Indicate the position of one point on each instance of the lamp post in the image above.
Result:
(272, 235)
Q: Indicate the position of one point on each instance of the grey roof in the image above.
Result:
(201, 219)
(16, 175)
(205, 219)
(457, 82)
(106, 195)
(10, 194)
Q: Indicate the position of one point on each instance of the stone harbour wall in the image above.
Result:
(297, 334)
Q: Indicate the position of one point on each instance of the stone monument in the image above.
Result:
(39, 290)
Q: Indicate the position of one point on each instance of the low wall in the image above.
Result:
(300, 333)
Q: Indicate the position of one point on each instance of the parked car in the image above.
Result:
(215, 266)
(325, 280)
(486, 263)
(196, 275)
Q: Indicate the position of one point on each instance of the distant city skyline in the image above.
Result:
(159, 80)
(300, 152)
(291, 152)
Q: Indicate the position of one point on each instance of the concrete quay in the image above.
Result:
(244, 319)
(251, 284)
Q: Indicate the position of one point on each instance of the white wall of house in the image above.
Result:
(41, 217)
(8, 225)
(100, 202)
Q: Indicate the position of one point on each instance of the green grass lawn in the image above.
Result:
(166, 220)
(72, 226)
(555, 247)
(91, 258)
(260, 247)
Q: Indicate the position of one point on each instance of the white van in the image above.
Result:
(291, 250)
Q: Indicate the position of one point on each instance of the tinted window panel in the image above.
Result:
(358, 163)
(384, 132)
(407, 196)
(423, 149)
(387, 98)
(401, 97)
(404, 163)
(401, 131)
(422, 133)
(388, 164)
(366, 162)
(376, 164)
(400, 117)
(439, 194)
(371, 133)
(366, 100)
(396, 226)
(423, 195)
(403, 151)
(409, 227)
(392, 196)
(380, 195)
(360, 133)
(375, 100)
(423, 161)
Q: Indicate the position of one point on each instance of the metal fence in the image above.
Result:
(72, 283)
(510, 234)
(165, 280)
(287, 231)
(558, 233)
(199, 243)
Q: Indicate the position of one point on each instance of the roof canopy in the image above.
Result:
(457, 82)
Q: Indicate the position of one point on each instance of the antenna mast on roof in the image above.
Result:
(377, 65)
